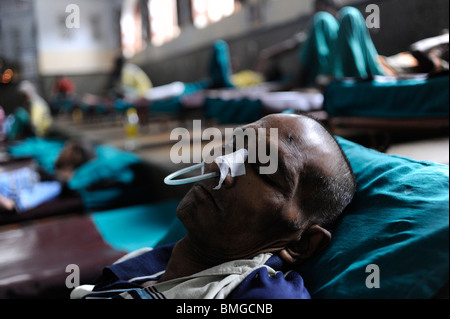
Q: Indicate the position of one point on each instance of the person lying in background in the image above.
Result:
(73, 155)
(338, 44)
(23, 188)
(338, 48)
(103, 175)
(244, 240)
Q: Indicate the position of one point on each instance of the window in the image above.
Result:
(132, 27)
(205, 12)
(163, 21)
(159, 21)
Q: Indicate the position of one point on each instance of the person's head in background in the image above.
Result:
(74, 154)
(26, 92)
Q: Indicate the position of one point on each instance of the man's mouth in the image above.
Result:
(202, 189)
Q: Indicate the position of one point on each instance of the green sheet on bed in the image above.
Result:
(233, 111)
(175, 104)
(136, 227)
(389, 97)
(34, 146)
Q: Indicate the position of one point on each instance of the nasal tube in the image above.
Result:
(233, 164)
(170, 180)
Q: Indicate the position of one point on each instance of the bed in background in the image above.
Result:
(383, 105)
(115, 178)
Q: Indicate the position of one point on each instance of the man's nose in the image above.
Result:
(213, 167)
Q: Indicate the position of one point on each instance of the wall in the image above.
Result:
(404, 22)
(86, 49)
(17, 46)
(190, 51)
(86, 54)
(18, 36)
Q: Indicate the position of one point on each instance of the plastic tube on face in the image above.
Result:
(169, 180)
(234, 162)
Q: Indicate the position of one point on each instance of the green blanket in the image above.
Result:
(389, 97)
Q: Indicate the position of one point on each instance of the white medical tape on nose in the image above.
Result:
(234, 162)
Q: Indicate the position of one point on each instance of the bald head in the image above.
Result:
(329, 182)
(326, 183)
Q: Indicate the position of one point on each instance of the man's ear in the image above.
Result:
(313, 240)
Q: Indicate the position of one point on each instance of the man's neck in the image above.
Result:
(186, 260)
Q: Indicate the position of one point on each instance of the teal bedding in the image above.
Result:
(34, 147)
(136, 227)
(389, 97)
(219, 76)
(110, 163)
(239, 111)
(398, 221)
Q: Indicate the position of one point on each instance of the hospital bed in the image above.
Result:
(113, 179)
(378, 104)
(246, 105)
(398, 222)
(385, 105)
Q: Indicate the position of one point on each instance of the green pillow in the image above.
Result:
(398, 221)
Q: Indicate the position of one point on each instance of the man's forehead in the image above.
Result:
(291, 125)
(292, 132)
(299, 135)
(281, 120)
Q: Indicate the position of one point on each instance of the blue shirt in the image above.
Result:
(271, 280)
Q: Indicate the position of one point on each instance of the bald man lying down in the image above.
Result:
(244, 239)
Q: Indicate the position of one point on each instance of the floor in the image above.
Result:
(434, 150)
